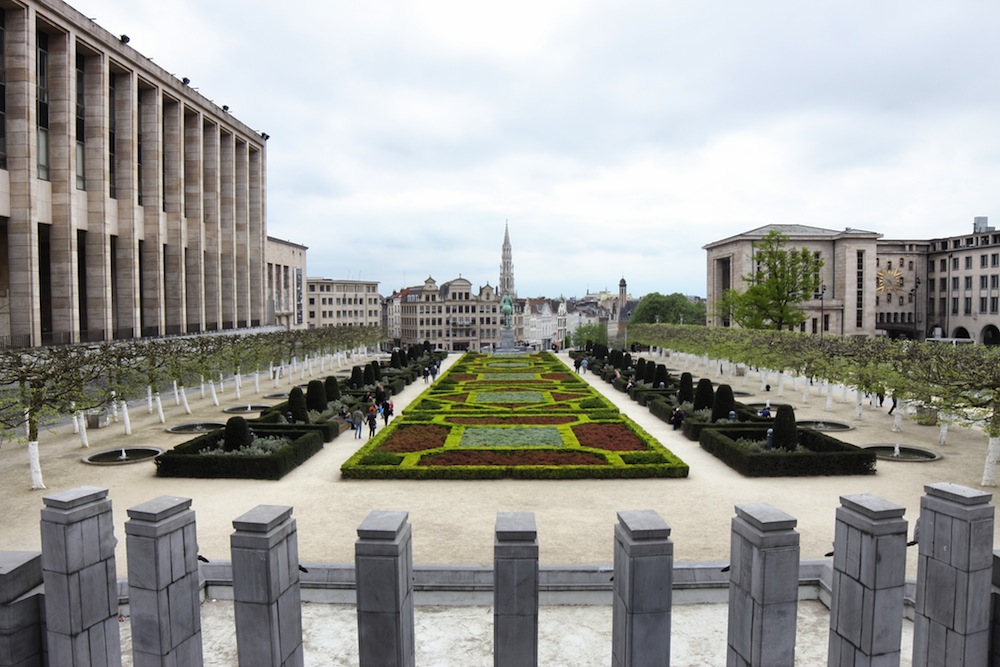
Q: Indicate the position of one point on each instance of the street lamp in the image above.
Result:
(913, 295)
(822, 319)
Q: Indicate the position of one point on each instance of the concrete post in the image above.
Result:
(515, 590)
(643, 590)
(266, 596)
(952, 610)
(383, 561)
(81, 588)
(21, 609)
(869, 574)
(163, 583)
(763, 587)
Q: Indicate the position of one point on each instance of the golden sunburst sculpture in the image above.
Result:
(889, 281)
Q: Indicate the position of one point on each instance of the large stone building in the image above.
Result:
(130, 204)
(343, 303)
(939, 288)
(450, 316)
(285, 289)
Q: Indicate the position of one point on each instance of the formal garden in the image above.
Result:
(514, 416)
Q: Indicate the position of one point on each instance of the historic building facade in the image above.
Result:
(451, 316)
(285, 283)
(939, 288)
(130, 204)
(343, 303)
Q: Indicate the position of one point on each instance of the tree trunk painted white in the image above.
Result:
(992, 456)
(222, 383)
(897, 418)
(203, 387)
(211, 388)
(781, 384)
(256, 382)
(236, 386)
(177, 396)
(843, 393)
(858, 407)
(275, 375)
(76, 422)
(805, 392)
(114, 407)
(149, 400)
(159, 408)
(184, 400)
(942, 433)
(35, 466)
(84, 440)
(829, 397)
(125, 419)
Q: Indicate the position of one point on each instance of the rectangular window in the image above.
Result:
(42, 102)
(968, 282)
(944, 265)
(954, 305)
(982, 304)
(112, 162)
(982, 261)
(983, 281)
(954, 282)
(968, 305)
(995, 281)
(81, 154)
(954, 263)
(995, 259)
(968, 262)
(994, 303)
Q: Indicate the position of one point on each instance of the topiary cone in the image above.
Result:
(237, 434)
(786, 431)
(297, 406)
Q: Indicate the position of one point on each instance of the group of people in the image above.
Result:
(431, 371)
(378, 404)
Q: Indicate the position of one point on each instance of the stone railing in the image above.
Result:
(61, 607)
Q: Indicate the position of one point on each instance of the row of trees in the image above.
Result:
(962, 383)
(40, 386)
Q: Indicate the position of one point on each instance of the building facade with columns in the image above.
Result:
(130, 204)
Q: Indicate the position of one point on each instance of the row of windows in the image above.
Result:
(353, 301)
(987, 304)
(985, 282)
(341, 287)
(894, 318)
(344, 314)
(428, 310)
(991, 260)
(967, 242)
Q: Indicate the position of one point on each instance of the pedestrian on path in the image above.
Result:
(358, 420)
(372, 423)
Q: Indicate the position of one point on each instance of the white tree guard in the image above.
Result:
(184, 400)
(84, 440)
(149, 400)
(35, 466)
(858, 408)
(215, 397)
(897, 418)
(942, 433)
(159, 408)
(256, 382)
(992, 456)
(236, 386)
(125, 419)
(177, 397)
(76, 422)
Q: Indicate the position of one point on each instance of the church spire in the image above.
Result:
(506, 285)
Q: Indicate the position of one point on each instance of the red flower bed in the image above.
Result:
(556, 376)
(613, 437)
(527, 457)
(457, 398)
(415, 438)
(561, 396)
(485, 421)
(462, 377)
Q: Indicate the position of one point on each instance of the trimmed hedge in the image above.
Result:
(185, 459)
(826, 456)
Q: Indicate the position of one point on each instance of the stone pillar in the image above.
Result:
(869, 573)
(163, 583)
(952, 611)
(21, 609)
(763, 587)
(266, 595)
(643, 590)
(81, 589)
(515, 590)
(383, 561)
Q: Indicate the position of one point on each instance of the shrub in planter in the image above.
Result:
(394, 361)
(369, 375)
(685, 393)
(376, 370)
(297, 406)
(785, 430)
(704, 395)
(357, 378)
(316, 396)
(332, 388)
(237, 435)
(640, 368)
(724, 403)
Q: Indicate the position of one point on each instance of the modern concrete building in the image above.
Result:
(343, 303)
(286, 271)
(130, 204)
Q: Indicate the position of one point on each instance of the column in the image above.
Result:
(78, 567)
(763, 587)
(869, 573)
(193, 214)
(383, 560)
(515, 590)
(643, 590)
(21, 609)
(952, 611)
(164, 591)
(266, 595)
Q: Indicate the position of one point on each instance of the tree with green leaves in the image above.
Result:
(593, 333)
(669, 309)
(783, 278)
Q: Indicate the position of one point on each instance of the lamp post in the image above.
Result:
(913, 295)
(822, 319)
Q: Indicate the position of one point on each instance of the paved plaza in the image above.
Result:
(453, 521)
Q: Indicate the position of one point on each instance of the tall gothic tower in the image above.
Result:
(506, 267)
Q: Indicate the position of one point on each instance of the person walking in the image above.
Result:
(358, 420)
(386, 411)
(372, 422)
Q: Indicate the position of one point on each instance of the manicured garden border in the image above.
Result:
(185, 460)
(446, 404)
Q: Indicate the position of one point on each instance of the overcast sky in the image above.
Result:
(615, 138)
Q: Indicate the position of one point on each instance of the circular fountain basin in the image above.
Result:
(740, 392)
(196, 427)
(893, 452)
(122, 456)
(278, 395)
(823, 425)
(246, 409)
